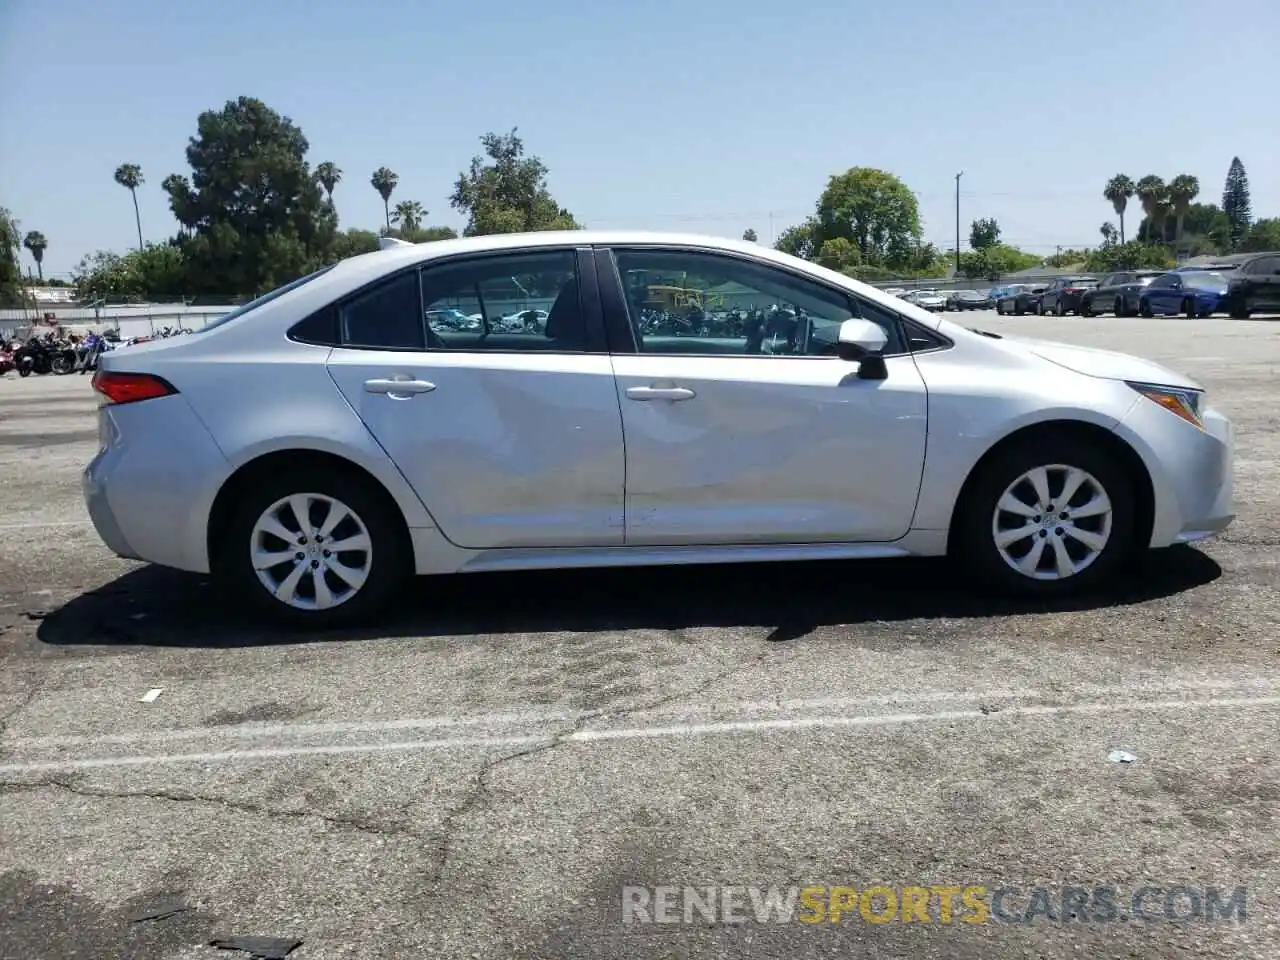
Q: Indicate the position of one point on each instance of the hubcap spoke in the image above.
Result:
(1007, 537)
(269, 524)
(1071, 485)
(357, 541)
(266, 559)
(324, 596)
(300, 504)
(1063, 559)
(352, 576)
(1039, 480)
(1091, 540)
(1031, 561)
(337, 513)
(1011, 504)
(1095, 507)
(287, 589)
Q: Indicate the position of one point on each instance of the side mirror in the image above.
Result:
(862, 341)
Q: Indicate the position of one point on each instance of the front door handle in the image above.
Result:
(660, 393)
(396, 387)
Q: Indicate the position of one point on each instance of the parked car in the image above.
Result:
(1020, 299)
(1195, 293)
(360, 445)
(1064, 295)
(930, 300)
(1254, 285)
(969, 300)
(1117, 293)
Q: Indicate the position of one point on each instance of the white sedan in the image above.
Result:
(317, 446)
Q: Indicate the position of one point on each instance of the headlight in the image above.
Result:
(1183, 401)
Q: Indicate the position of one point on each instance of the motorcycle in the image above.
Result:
(33, 357)
(6, 359)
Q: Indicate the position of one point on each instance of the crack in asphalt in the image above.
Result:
(10, 715)
(1247, 541)
(359, 824)
(480, 793)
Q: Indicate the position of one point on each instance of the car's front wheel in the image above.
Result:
(314, 550)
(1046, 518)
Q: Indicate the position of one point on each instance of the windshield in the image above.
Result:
(1206, 280)
(266, 298)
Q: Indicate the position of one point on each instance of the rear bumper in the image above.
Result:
(149, 487)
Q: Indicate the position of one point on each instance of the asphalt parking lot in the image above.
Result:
(484, 774)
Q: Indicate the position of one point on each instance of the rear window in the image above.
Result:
(265, 299)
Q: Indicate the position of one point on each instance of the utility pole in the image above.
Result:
(958, 176)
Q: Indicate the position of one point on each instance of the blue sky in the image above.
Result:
(700, 115)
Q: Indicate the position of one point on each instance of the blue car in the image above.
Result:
(1194, 293)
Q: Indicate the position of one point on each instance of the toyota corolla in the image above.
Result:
(316, 447)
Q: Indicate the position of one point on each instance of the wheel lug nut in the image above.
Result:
(315, 564)
(1035, 519)
(1044, 533)
(1058, 531)
(302, 540)
(299, 555)
(326, 553)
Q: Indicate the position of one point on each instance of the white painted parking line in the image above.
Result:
(44, 524)
(680, 731)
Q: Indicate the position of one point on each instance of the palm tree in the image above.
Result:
(1108, 231)
(36, 243)
(328, 175)
(408, 215)
(1182, 190)
(384, 181)
(1118, 190)
(129, 176)
(1151, 190)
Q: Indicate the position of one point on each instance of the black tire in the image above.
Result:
(61, 365)
(1144, 308)
(390, 559)
(972, 544)
(1189, 308)
(1058, 309)
(24, 370)
(1239, 313)
(1121, 309)
(1086, 308)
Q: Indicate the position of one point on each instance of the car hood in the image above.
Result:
(1105, 364)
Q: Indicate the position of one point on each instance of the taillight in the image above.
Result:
(131, 387)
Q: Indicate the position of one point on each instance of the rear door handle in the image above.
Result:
(660, 393)
(399, 388)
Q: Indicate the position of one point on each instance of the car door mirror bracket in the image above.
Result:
(863, 342)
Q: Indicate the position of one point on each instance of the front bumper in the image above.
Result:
(1190, 470)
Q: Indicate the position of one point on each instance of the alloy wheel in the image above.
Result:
(311, 551)
(1052, 522)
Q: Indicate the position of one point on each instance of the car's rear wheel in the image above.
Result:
(1121, 309)
(1058, 309)
(314, 551)
(1144, 308)
(1086, 308)
(1189, 308)
(1047, 518)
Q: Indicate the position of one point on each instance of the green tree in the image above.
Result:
(254, 218)
(800, 240)
(1110, 236)
(1119, 190)
(408, 215)
(328, 175)
(505, 191)
(10, 269)
(1133, 255)
(1235, 202)
(839, 254)
(36, 244)
(996, 261)
(875, 210)
(1066, 258)
(1151, 191)
(156, 272)
(749, 235)
(428, 234)
(384, 180)
(1263, 235)
(984, 233)
(129, 176)
(1182, 190)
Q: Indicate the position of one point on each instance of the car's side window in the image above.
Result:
(708, 304)
(506, 302)
(386, 317)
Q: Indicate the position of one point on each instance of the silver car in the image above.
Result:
(316, 446)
